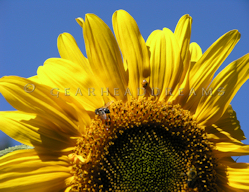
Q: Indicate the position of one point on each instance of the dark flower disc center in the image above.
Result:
(144, 159)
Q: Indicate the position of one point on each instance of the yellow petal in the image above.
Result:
(173, 76)
(24, 170)
(203, 71)
(72, 80)
(134, 50)
(195, 52)
(152, 39)
(224, 87)
(104, 55)
(80, 21)
(30, 97)
(228, 172)
(183, 34)
(157, 44)
(218, 135)
(227, 149)
(35, 78)
(33, 130)
(166, 66)
(69, 50)
(238, 176)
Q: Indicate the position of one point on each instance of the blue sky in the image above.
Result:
(29, 31)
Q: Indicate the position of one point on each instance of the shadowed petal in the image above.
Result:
(39, 101)
(23, 170)
(32, 130)
(226, 129)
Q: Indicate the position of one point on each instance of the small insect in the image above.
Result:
(102, 111)
(144, 83)
(192, 176)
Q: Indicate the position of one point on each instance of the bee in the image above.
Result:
(102, 111)
(192, 176)
(144, 83)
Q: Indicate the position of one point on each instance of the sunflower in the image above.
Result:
(151, 119)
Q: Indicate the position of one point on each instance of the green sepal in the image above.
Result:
(11, 149)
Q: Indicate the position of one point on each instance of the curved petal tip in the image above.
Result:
(80, 21)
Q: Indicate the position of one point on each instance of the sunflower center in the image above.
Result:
(144, 145)
(144, 159)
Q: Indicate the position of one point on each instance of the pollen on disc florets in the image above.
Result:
(144, 145)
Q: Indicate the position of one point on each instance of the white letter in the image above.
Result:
(105, 91)
(207, 93)
(51, 92)
(192, 90)
(116, 92)
(169, 91)
(128, 91)
(221, 91)
(66, 92)
(152, 91)
(78, 91)
(89, 91)
(180, 92)
(138, 91)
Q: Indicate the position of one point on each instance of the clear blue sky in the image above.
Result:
(29, 31)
